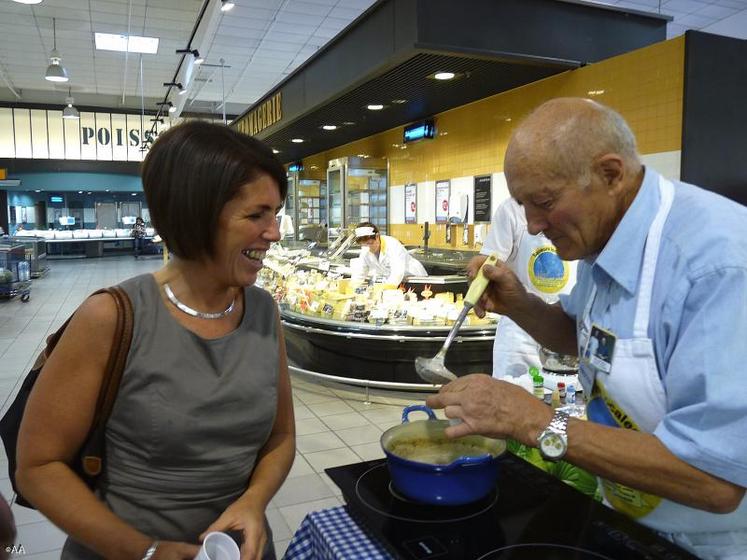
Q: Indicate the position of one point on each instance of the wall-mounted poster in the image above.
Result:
(411, 203)
(443, 192)
(482, 198)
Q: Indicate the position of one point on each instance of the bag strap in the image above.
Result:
(117, 356)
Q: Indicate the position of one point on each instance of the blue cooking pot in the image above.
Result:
(428, 467)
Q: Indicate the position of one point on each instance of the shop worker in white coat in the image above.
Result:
(383, 257)
(662, 289)
(535, 262)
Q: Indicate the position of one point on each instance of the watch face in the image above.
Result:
(552, 445)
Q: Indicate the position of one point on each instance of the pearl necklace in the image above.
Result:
(193, 312)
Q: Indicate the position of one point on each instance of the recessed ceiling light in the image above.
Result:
(399, 101)
(107, 190)
(297, 140)
(89, 192)
(28, 2)
(80, 192)
(124, 43)
(274, 151)
(444, 75)
(330, 127)
(35, 190)
(134, 194)
(374, 107)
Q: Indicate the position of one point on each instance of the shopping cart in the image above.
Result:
(15, 272)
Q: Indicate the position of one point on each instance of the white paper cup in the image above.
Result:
(218, 546)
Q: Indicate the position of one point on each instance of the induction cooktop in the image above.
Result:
(529, 515)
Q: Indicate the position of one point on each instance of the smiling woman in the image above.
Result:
(202, 432)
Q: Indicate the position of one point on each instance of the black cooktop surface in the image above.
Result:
(529, 515)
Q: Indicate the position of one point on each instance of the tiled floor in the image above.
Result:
(335, 424)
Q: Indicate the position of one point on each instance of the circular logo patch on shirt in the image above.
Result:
(547, 271)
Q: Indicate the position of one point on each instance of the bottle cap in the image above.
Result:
(533, 371)
(561, 384)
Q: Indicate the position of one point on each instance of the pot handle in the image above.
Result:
(413, 407)
(467, 461)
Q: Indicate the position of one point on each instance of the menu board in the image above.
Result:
(482, 198)
(411, 203)
(443, 192)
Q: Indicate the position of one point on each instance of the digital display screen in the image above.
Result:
(56, 199)
(66, 220)
(295, 167)
(419, 131)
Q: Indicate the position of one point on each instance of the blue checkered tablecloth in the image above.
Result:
(331, 534)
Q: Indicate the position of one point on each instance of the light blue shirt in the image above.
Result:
(698, 320)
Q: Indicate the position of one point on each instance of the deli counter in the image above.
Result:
(353, 329)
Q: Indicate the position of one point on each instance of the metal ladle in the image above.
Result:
(433, 370)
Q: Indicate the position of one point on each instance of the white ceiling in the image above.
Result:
(261, 40)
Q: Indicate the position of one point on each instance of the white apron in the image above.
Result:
(632, 396)
(545, 274)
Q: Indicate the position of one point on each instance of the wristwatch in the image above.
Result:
(553, 440)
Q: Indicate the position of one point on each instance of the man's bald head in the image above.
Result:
(563, 137)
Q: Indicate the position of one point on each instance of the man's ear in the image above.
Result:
(611, 169)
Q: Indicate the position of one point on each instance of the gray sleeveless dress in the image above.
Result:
(190, 417)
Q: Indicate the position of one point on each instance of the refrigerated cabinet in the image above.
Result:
(357, 192)
(306, 203)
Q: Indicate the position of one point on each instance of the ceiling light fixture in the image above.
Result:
(157, 119)
(274, 151)
(444, 75)
(55, 71)
(70, 112)
(297, 140)
(172, 109)
(30, 2)
(329, 127)
(399, 101)
(226, 5)
(193, 52)
(375, 107)
(126, 43)
(177, 85)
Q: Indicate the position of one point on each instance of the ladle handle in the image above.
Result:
(454, 330)
(478, 285)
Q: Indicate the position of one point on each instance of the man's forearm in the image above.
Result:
(642, 462)
(547, 324)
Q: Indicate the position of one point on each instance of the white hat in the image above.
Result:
(365, 231)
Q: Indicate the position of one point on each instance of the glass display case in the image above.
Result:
(357, 193)
(351, 328)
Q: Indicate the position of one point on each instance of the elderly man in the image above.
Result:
(663, 281)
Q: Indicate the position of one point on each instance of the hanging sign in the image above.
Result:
(443, 192)
(482, 198)
(411, 203)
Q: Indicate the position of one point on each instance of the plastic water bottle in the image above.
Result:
(570, 394)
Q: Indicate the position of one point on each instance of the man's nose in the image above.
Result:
(536, 223)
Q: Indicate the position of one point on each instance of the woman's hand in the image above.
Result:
(249, 519)
(170, 550)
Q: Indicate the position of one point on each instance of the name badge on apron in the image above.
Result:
(600, 349)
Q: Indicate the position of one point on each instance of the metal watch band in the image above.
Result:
(559, 422)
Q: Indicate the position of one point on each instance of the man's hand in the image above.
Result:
(474, 265)
(505, 292)
(491, 408)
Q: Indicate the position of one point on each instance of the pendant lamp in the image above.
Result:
(55, 71)
(70, 112)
